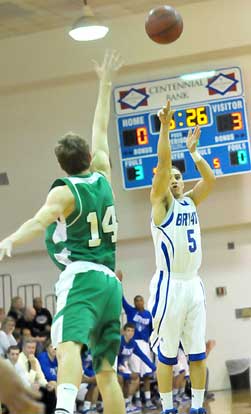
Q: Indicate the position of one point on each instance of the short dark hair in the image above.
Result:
(129, 325)
(47, 343)
(29, 340)
(138, 297)
(176, 168)
(13, 348)
(73, 153)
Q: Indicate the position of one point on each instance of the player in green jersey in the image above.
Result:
(81, 232)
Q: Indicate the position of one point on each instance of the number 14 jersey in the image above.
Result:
(177, 240)
(90, 232)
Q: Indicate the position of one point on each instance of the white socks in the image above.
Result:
(148, 395)
(166, 400)
(66, 396)
(197, 398)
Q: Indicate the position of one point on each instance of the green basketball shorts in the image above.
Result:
(89, 298)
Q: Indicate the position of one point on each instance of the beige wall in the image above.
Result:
(47, 88)
(221, 267)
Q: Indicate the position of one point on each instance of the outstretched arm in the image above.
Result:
(59, 203)
(202, 189)
(161, 197)
(100, 149)
(15, 395)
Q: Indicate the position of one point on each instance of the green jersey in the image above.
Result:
(90, 232)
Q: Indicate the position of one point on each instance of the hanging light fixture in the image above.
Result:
(87, 27)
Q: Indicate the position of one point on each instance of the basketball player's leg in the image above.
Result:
(110, 389)
(74, 322)
(167, 358)
(105, 344)
(69, 375)
(168, 323)
(194, 343)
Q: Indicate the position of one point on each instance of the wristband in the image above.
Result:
(196, 156)
(106, 83)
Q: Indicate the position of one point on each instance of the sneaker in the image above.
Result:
(198, 411)
(100, 408)
(183, 398)
(138, 403)
(130, 408)
(61, 411)
(210, 396)
(171, 411)
(150, 406)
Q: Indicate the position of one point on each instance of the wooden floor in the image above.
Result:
(225, 402)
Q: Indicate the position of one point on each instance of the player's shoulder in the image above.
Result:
(60, 192)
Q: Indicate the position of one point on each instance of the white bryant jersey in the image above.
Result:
(177, 240)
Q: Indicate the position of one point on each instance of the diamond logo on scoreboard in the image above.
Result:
(222, 84)
(133, 98)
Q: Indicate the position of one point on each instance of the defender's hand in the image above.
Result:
(5, 248)
(193, 139)
(166, 114)
(111, 64)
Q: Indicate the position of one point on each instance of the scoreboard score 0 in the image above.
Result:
(213, 100)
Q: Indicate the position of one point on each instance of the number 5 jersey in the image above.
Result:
(177, 240)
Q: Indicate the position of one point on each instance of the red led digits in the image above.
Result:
(142, 136)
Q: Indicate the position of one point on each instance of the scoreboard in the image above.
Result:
(213, 100)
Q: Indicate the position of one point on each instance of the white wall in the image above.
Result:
(47, 87)
(220, 267)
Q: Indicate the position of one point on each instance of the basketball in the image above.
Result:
(164, 24)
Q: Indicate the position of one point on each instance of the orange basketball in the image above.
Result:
(164, 24)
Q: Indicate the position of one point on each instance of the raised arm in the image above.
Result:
(59, 203)
(100, 149)
(161, 197)
(202, 189)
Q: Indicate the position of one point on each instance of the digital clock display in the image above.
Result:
(185, 118)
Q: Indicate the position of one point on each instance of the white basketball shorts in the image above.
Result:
(136, 364)
(178, 309)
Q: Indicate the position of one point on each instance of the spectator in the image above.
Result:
(17, 397)
(6, 335)
(128, 347)
(17, 308)
(2, 316)
(27, 320)
(26, 323)
(43, 318)
(88, 392)
(31, 366)
(13, 355)
(142, 319)
(48, 362)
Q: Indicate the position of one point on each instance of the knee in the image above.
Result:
(198, 364)
(67, 348)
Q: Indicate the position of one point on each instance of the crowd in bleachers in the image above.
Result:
(25, 343)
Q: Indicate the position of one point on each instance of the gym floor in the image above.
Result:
(225, 402)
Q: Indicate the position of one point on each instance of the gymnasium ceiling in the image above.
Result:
(20, 17)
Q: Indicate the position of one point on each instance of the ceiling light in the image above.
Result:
(87, 27)
(198, 75)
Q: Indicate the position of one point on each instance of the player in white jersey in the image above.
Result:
(177, 300)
